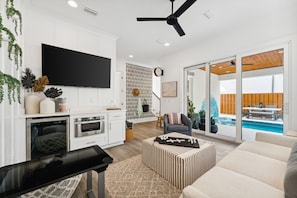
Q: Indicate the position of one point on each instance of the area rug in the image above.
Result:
(64, 188)
(131, 178)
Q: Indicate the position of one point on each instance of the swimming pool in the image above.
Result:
(263, 126)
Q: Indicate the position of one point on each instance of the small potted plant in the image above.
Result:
(213, 127)
(202, 120)
(191, 108)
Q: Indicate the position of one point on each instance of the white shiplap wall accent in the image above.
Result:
(9, 113)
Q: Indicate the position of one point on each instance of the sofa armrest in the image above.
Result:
(165, 123)
(276, 139)
(192, 192)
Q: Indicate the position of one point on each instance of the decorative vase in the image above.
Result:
(47, 105)
(32, 101)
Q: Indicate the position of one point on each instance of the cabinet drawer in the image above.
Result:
(83, 142)
(117, 116)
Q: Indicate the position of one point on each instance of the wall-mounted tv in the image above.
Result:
(72, 68)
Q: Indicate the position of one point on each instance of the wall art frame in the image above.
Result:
(169, 89)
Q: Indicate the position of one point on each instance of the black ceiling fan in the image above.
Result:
(172, 18)
(232, 63)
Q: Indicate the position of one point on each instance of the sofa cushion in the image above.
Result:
(266, 149)
(174, 118)
(223, 183)
(179, 128)
(190, 191)
(290, 181)
(264, 169)
(281, 140)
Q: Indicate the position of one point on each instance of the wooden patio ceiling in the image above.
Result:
(254, 62)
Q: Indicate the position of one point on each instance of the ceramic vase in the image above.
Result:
(47, 105)
(32, 101)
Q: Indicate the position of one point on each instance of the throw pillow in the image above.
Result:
(174, 118)
(290, 182)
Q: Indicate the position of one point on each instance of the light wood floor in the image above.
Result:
(129, 149)
(148, 129)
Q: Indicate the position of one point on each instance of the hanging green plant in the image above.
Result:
(13, 85)
(14, 14)
(13, 48)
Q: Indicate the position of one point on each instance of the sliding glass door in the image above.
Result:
(222, 103)
(196, 95)
(235, 97)
(262, 93)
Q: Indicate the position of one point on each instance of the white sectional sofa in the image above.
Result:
(263, 168)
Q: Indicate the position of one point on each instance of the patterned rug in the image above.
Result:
(60, 189)
(131, 178)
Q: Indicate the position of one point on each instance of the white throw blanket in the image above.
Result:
(139, 108)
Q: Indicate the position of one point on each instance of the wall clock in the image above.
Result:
(158, 71)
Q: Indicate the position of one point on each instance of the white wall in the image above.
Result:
(43, 28)
(278, 28)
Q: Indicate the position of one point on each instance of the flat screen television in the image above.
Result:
(72, 68)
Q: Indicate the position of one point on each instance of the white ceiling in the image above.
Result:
(144, 39)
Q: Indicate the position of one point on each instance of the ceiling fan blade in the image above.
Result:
(183, 7)
(151, 19)
(179, 29)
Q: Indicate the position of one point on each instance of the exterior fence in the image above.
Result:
(228, 101)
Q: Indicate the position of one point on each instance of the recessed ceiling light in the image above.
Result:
(131, 56)
(228, 71)
(166, 44)
(214, 65)
(280, 51)
(72, 3)
(220, 67)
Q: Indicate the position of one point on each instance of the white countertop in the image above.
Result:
(74, 111)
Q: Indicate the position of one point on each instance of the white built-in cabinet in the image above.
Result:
(116, 131)
(114, 127)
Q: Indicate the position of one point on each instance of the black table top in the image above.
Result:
(27, 176)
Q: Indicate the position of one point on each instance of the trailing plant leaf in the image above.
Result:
(1, 86)
(13, 86)
(28, 80)
(53, 92)
(1, 27)
(13, 48)
(40, 84)
(12, 12)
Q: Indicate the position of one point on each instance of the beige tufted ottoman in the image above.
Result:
(179, 165)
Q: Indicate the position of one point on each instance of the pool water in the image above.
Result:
(263, 126)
